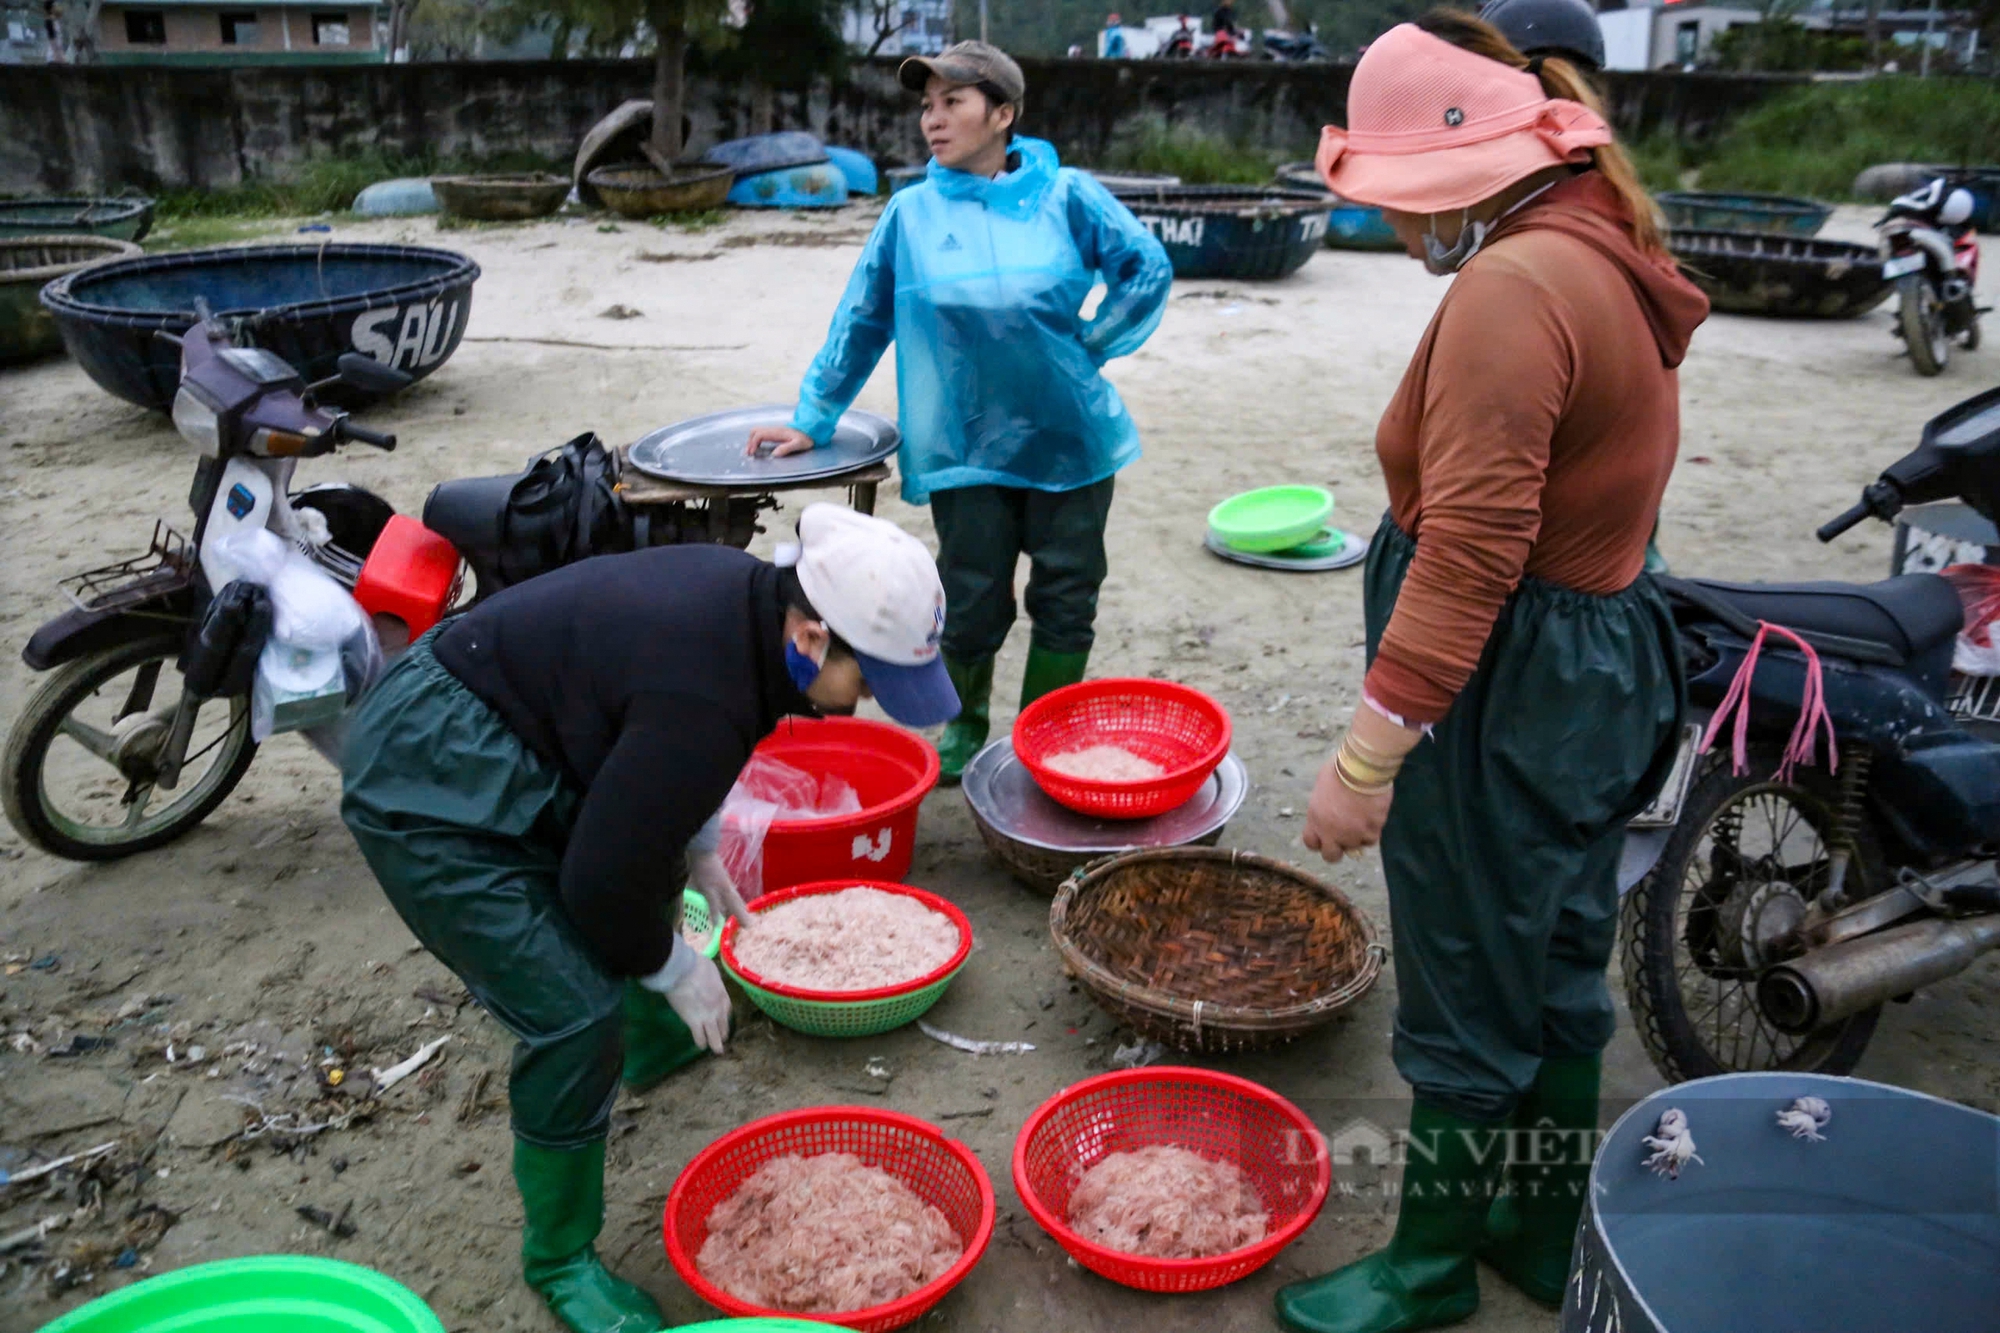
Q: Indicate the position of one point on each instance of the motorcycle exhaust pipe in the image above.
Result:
(1827, 985)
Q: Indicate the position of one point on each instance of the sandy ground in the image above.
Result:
(263, 926)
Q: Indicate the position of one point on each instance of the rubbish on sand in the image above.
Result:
(971, 1047)
(386, 1079)
(1138, 1055)
(46, 1168)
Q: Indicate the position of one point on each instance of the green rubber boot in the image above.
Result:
(1425, 1277)
(657, 1043)
(1532, 1226)
(1049, 671)
(1655, 562)
(964, 734)
(562, 1206)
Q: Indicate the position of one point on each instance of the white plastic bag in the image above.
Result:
(767, 791)
(323, 653)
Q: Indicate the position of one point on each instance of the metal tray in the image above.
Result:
(1353, 553)
(708, 450)
(1003, 793)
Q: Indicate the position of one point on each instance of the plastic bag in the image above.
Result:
(322, 653)
(1978, 650)
(767, 791)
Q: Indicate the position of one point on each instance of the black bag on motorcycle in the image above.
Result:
(221, 657)
(563, 508)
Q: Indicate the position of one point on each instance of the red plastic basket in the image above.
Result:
(1181, 729)
(1222, 1117)
(942, 1171)
(891, 769)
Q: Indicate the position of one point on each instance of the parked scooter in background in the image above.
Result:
(1228, 44)
(1788, 900)
(129, 743)
(1294, 45)
(1931, 252)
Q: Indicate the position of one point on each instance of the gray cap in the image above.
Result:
(965, 64)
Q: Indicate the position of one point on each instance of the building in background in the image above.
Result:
(1680, 34)
(269, 32)
(23, 37)
(897, 27)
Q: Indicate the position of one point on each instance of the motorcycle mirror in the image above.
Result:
(371, 376)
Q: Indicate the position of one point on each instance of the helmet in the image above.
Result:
(1957, 208)
(1566, 28)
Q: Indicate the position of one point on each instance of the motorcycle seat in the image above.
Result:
(1910, 615)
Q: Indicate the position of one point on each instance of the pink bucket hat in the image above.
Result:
(1434, 127)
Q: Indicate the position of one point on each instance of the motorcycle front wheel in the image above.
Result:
(83, 762)
(1747, 857)
(1922, 321)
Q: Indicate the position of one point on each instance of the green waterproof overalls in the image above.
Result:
(465, 827)
(1502, 844)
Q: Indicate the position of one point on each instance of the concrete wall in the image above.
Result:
(94, 128)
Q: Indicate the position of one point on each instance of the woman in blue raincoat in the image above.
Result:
(978, 273)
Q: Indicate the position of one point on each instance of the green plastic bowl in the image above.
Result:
(855, 1013)
(754, 1326)
(694, 917)
(1275, 518)
(268, 1294)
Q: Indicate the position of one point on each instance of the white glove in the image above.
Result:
(693, 986)
(711, 880)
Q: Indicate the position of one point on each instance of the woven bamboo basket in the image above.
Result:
(1213, 951)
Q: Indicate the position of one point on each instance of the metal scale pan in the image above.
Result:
(708, 450)
(1041, 841)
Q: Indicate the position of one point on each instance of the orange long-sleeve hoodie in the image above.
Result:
(1532, 434)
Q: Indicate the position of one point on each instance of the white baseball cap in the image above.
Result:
(877, 587)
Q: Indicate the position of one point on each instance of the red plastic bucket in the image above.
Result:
(891, 769)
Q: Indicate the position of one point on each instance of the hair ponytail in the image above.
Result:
(1559, 78)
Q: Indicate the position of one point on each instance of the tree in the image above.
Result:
(889, 18)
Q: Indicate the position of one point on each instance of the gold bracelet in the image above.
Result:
(1364, 766)
(1359, 787)
(1379, 758)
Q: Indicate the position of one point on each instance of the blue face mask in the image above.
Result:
(802, 669)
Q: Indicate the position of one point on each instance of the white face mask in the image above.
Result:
(1443, 259)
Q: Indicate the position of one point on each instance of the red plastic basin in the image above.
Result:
(891, 769)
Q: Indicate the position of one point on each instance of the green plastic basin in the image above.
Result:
(1275, 518)
(267, 1294)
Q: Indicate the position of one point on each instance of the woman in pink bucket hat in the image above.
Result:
(1524, 696)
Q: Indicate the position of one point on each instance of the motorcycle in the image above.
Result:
(1777, 904)
(1931, 252)
(1294, 45)
(1227, 44)
(1180, 46)
(113, 756)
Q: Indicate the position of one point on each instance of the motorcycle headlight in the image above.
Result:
(197, 423)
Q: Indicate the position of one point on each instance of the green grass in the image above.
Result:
(1149, 143)
(1663, 161)
(186, 233)
(324, 185)
(1815, 139)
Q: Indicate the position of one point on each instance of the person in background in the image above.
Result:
(1524, 691)
(523, 778)
(1114, 38)
(1010, 431)
(1224, 18)
(1565, 29)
